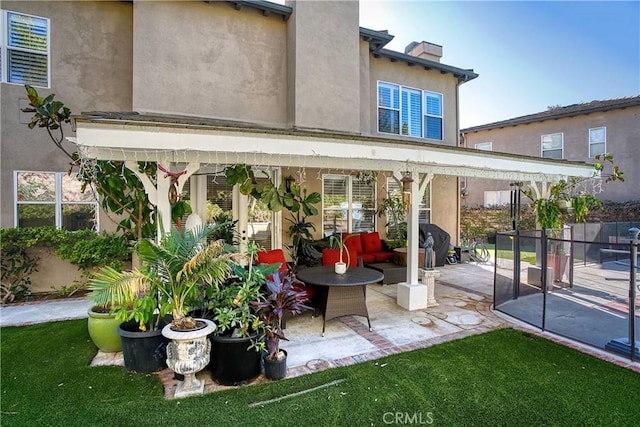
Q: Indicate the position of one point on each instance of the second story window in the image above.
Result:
(408, 111)
(597, 141)
(551, 146)
(24, 54)
(433, 115)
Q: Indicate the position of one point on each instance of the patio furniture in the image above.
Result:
(393, 273)
(345, 293)
(276, 256)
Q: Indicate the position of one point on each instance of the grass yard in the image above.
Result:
(525, 256)
(501, 378)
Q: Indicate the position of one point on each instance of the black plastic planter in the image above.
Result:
(275, 369)
(143, 352)
(232, 361)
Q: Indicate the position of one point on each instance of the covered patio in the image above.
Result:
(192, 144)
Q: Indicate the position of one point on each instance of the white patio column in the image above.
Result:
(412, 295)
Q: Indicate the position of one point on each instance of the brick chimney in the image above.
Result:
(424, 50)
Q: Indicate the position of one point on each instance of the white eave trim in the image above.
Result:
(214, 146)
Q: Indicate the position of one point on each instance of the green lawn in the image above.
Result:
(525, 256)
(501, 378)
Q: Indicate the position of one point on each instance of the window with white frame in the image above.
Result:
(552, 146)
(53, 198)
(486, 146)
(597, 141)
(24, 54)
(394, 189)
(408, 111)
(433, 115)
(348, 204)
(497, 198)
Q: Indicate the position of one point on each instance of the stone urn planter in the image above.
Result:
(187, 354)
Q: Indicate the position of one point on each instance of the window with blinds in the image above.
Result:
(394, 189)
(551, 146)
(410, 112)
(348, 204)
(388, 108)
(433, 115)
(24, 57)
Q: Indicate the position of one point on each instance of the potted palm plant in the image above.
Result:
(281, 298)
(136, 308)
(339, 242)
(174, 270)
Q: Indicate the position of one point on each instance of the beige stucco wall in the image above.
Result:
(623, 140)
(325, 83)
(91, 69)
(211, 60)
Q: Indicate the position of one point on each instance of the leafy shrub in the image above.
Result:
(83, 248)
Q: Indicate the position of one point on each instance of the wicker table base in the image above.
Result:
(345, 293)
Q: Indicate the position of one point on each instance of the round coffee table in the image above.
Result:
(346, 293)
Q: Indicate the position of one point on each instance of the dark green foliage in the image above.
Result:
(83, 248)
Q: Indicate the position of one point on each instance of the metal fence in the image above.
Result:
(588, 291)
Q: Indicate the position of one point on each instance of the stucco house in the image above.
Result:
(296, 90)
(576, 132)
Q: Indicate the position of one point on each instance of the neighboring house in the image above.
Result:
(576, 132)
(298, 90)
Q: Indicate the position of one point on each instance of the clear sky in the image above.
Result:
(529, 54)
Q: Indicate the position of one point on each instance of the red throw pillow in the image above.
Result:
(275, 256)
(371, 242)
(331, 256)
(353, 242)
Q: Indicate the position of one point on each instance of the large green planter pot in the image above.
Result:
(103, 329)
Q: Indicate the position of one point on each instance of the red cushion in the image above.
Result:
(382, 256)
(309, 290)
(275, 256)
(367, 258)
(353, 242)
(371, 242)
(331, 256)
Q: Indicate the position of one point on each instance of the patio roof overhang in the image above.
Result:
(182, 139)
(196, 142)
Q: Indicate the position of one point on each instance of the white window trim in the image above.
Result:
(350, 179)
(423, 105)
(408, 88)
(561, 145)
(378, 106)
(604, 128)
(485, 146)
(58, 203)
(425, 114)
(3, 48)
